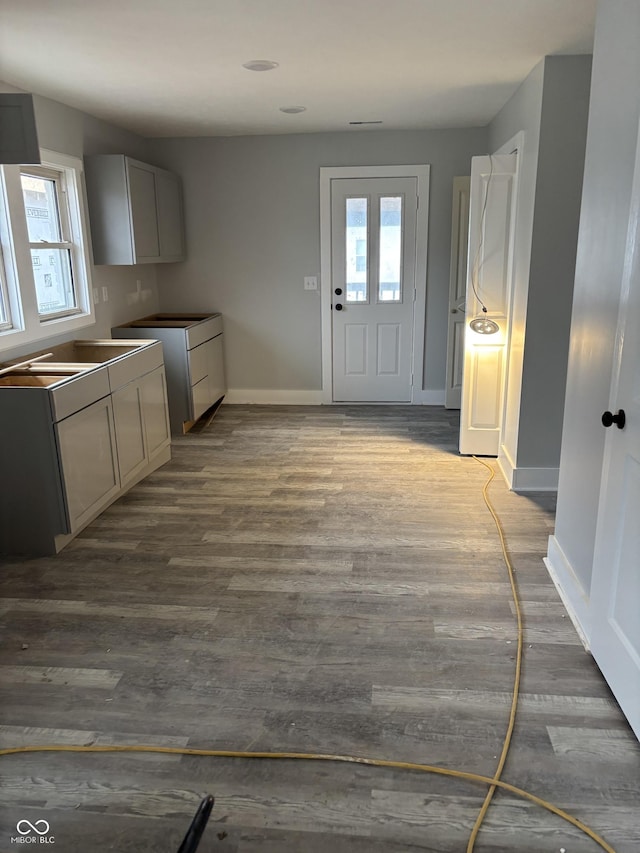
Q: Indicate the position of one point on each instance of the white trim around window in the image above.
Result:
(23, 324)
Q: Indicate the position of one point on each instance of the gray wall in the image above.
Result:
(69, 131)
(563, 133)
(550, 109)
(609, 162)
(253, 233)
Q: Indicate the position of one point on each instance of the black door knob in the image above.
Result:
(338, 291)
(618, 419)
(338, 307)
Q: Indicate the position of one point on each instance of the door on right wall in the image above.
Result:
(489, 282)
(615, 586)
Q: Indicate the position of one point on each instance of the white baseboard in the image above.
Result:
(429, 398)
(570, 589)
(505, 465)
(527, 479)
(266, 397)
(261, 396)
(535, 479)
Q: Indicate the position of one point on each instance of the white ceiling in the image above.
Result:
(174, 67)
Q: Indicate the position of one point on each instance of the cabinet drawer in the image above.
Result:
(132, 366)
(201, 332)
(201, 398)
(198, 363)
(79, 393)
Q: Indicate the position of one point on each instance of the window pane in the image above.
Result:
(41, 208)
(356, 250)
(5, 313)
(389, 287)
(4, 307)
(54, 283)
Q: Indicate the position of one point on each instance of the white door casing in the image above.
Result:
(373, 373)
(457, 291)
(615, 585)
(373, 237)
(489, 281)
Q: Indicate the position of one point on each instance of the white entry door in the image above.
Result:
(373, 279)
(615, 586)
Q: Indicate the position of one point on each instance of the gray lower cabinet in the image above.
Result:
(194, 360)
(71, 443)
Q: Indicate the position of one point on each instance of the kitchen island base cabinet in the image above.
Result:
(72, 441)
(194, 361)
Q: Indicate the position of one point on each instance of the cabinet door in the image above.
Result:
(88, 461)
(143, 202)
(153, 387)
(129, 428)
(170, 226)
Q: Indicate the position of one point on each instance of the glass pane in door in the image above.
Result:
(390, 260)
(356, 245)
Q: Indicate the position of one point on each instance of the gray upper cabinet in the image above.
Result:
(18, 135)
(135, 211)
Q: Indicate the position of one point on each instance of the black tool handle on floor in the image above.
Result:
(194, 833)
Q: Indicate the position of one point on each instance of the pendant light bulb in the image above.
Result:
(483, 325)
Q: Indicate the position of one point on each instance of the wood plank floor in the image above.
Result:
(317, 579)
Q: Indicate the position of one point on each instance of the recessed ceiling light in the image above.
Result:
(292, 110)
(260, 65)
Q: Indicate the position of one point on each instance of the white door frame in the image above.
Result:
(328, 174)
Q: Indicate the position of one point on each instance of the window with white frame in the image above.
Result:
(50, 243)
(5, 308)
(45, 284)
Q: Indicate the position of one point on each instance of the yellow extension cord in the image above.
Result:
(493, 782)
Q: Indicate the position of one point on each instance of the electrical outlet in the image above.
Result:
(105, 294)
(96, 296)
(311, 282)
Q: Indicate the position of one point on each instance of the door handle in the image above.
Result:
(338, 291)
(338, 307)
(618, 419)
